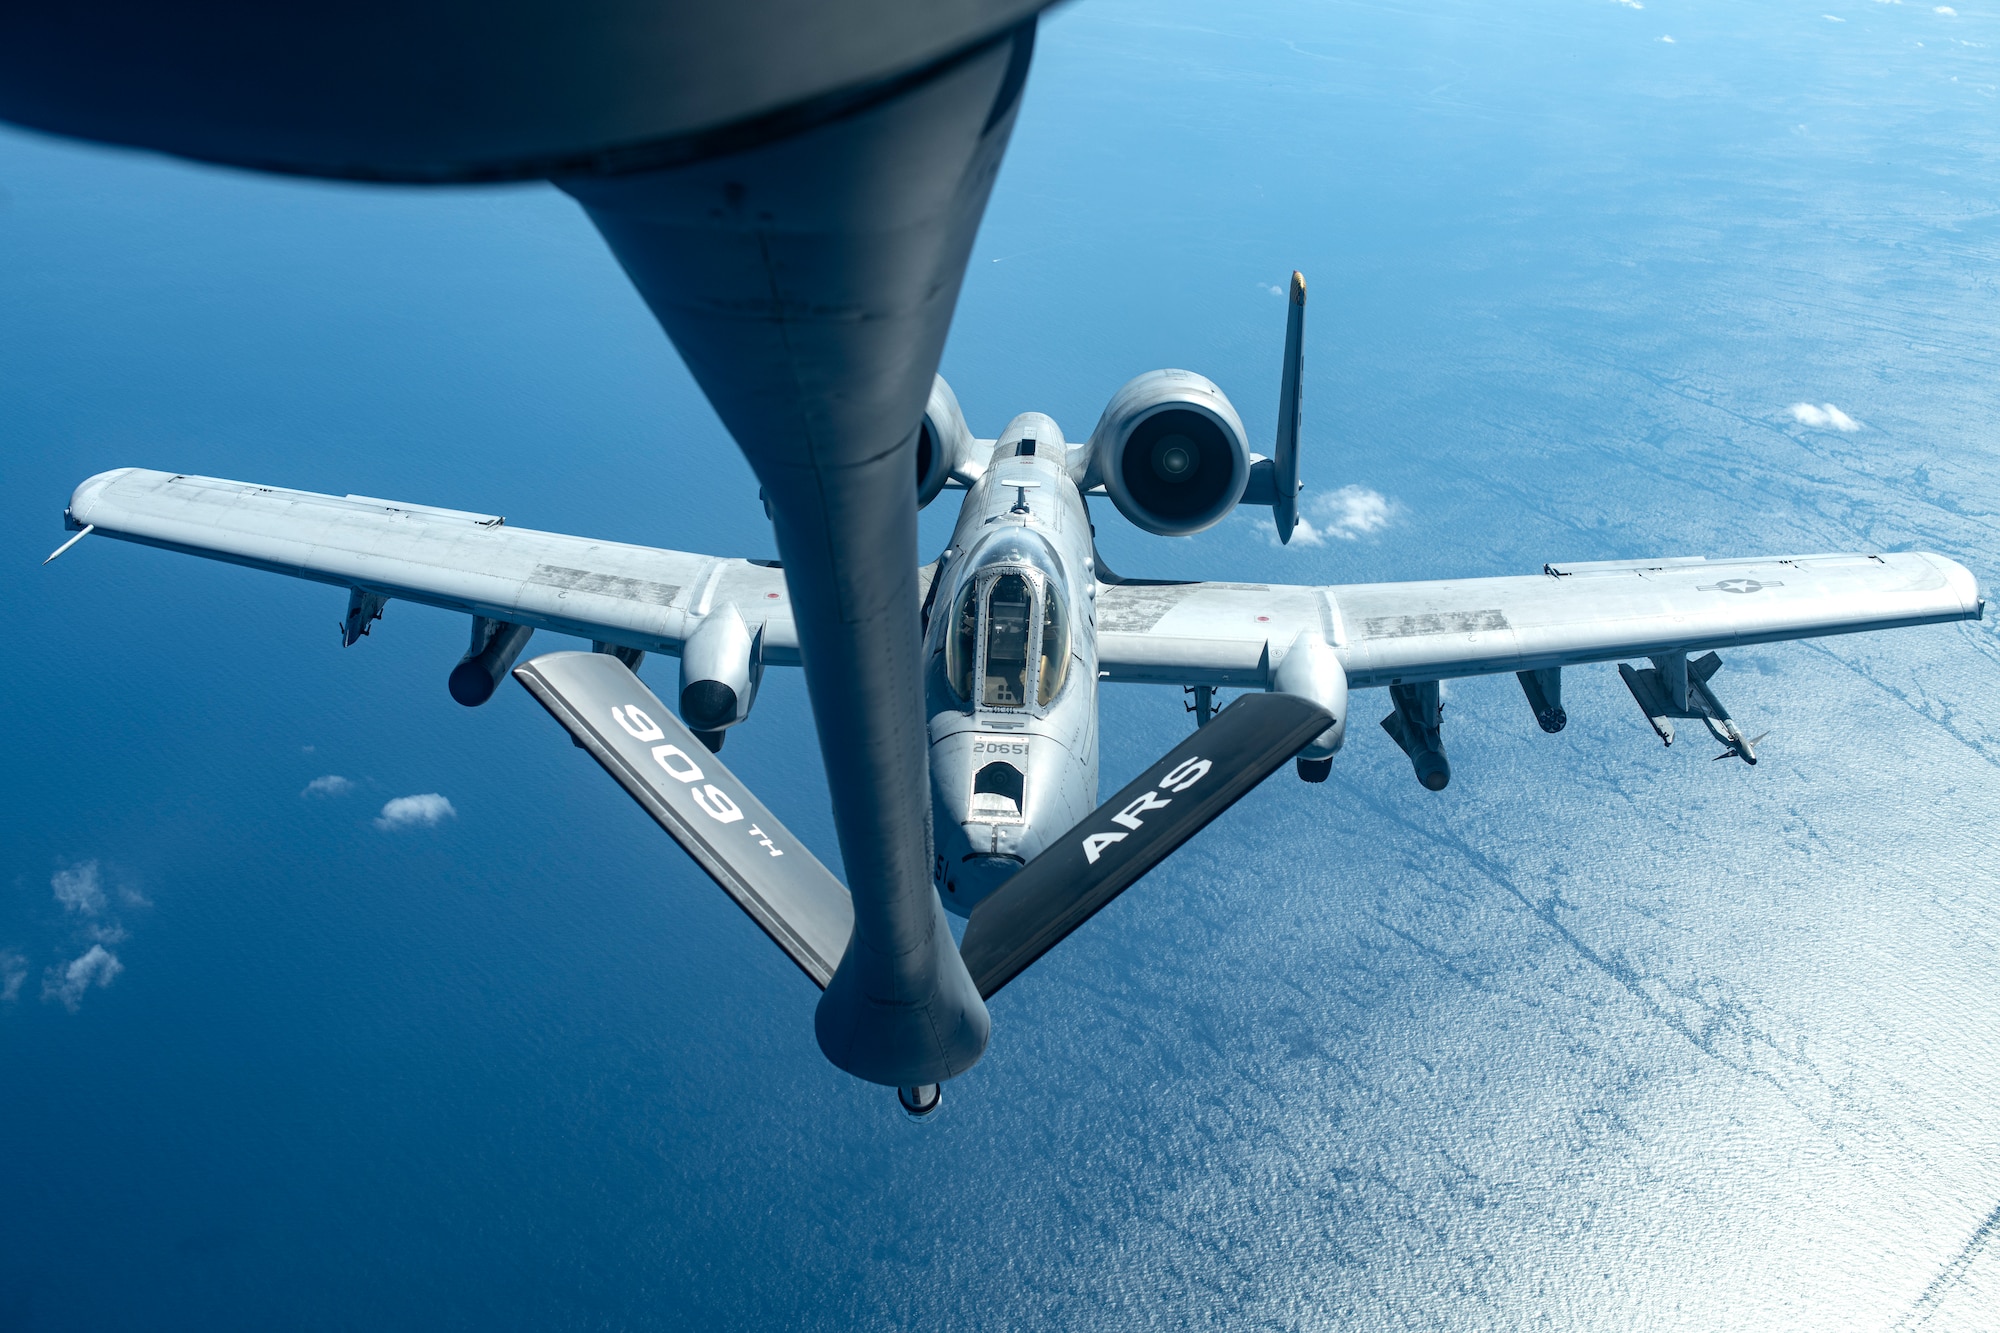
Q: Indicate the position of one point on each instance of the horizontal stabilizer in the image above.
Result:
(1083, 870)
(706, 808)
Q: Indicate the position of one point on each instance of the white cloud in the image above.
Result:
(13, 971)
(1631, 4)
(1668, 40)
(79, 889)
(1350, 513)
(1826, 414)
(96, 967)
(1831, 18)
(329, 786)
(428, 810)
(1945, 9)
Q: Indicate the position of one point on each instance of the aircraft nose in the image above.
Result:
(979, 875)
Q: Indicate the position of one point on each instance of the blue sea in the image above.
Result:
(1604, 1036)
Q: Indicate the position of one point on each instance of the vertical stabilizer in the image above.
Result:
(1291, 392)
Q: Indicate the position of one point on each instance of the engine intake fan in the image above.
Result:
(1171, 452)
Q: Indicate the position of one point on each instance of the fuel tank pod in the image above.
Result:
(488, 659)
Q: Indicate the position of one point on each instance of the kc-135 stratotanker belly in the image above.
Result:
(1021, 625)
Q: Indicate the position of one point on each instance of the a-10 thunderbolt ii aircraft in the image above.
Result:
(1022, 624)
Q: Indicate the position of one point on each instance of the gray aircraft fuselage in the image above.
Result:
(1010, 675)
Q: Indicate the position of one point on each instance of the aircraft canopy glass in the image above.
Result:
(1006, 674)
(961, 641)
(1055, 647)
(1009, 631)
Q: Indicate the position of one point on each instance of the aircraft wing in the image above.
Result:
(1147, 631)
(1386, 633)
(631, 596)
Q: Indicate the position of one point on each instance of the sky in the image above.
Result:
(326, 1003)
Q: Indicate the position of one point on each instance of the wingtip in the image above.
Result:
(1298, 288)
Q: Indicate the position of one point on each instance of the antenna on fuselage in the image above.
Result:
(1021, 487)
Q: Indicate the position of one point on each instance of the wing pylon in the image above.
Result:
(1674, 687)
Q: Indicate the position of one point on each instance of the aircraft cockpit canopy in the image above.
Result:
(1009, 632)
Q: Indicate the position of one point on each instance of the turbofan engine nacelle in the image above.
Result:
(720, 671)
(943, 441)
(1171, 452)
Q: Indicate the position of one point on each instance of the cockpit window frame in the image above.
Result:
(1040, 568)
(1041, 588)
(961, 667)
(990, 581)
(1052, 617)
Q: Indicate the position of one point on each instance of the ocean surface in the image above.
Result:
(1605, 1036)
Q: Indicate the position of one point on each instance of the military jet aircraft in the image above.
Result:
(1022, 623)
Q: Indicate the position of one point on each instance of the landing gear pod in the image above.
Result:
(495, 645)
(1417, 725)
(720, 672)
(1312, 670)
